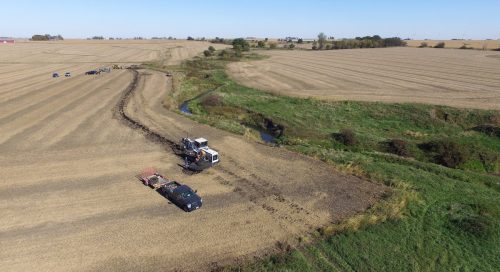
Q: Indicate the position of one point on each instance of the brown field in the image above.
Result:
(70, 201)
(476, 44)
(461, 78)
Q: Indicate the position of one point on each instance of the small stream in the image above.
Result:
(184, 108)
(265, 135)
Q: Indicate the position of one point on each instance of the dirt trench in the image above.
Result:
(119, 112)
(299, 192)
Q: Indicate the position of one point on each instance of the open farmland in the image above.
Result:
(476, 44)
(80, 52)
(461, 78)
(69, 196)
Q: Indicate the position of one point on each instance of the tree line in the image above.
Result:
(46, 37)
(374, 41)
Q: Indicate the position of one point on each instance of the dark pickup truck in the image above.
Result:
(92, 72)
(181, 195)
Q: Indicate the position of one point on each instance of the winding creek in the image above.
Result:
(265, 136)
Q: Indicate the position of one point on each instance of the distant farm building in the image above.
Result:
(5, 41)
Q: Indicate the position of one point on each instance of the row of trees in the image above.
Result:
(274, 45)
(163, 38)
(359, 42)
(222, 54)
(218, 40)
(46, 37)
(241, 44)
(134, 38)
(439, 45)
(189, 38)
(111, 38)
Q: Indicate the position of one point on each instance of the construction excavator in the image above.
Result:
(197, 155)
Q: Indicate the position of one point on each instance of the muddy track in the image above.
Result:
(119, 112)
(261, 184)
(268, 197)
(253, 188)
(153, 136)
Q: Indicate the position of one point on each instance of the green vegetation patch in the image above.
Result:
(456, 138)
(441, 163)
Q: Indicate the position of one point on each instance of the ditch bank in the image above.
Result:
(119, 113)
(269, 130)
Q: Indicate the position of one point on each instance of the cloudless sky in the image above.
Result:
(258, 18)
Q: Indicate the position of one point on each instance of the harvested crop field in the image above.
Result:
(121, 52)
(69, 196)
(476, 44)
(461, 78)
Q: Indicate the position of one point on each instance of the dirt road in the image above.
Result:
(460, 78)
(70, 201)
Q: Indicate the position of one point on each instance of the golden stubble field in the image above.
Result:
(69, 199)
(476, 44)
(460, 78)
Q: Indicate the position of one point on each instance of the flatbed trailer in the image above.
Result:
(154, 181)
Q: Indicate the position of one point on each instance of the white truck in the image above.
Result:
(198, 156)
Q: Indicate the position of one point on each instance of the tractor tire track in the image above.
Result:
(263, 192)
(245, 187)
(120, 114)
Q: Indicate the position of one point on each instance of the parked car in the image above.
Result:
(67, 74)
(92, 72)
(181, 195)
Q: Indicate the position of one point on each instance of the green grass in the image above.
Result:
(312, 122)
(426, 237)
(436, 219)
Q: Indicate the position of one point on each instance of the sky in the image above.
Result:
(423, 19)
